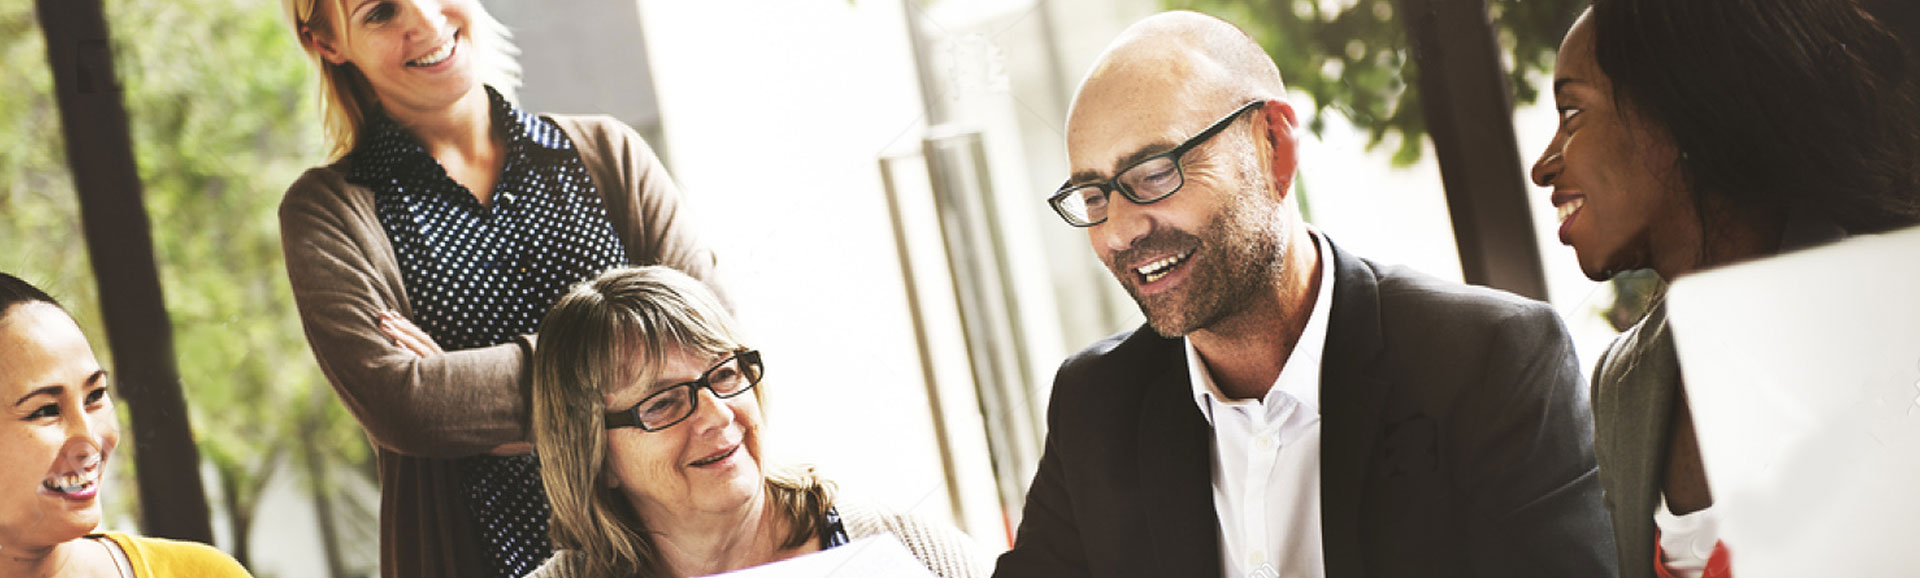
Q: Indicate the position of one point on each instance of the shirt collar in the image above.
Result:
(525, 132)
(1300, 378)
(526, 127)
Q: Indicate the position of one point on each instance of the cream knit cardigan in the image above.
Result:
(945, 551)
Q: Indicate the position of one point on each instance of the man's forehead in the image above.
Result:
(1145, 91)
(1104, 130)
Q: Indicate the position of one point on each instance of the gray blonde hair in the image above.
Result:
(345, 96)
(604, 333)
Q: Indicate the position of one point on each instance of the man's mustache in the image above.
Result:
(1157, 243)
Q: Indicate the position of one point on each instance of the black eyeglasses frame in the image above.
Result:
(1109, 186)
(751, 369)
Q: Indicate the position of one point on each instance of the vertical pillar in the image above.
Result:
(119, 240)
(1469, 114)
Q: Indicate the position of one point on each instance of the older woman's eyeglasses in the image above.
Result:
(1154, 178)
(735, 375)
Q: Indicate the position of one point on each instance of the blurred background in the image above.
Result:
(871, 172)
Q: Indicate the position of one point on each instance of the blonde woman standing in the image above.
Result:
(424, 255)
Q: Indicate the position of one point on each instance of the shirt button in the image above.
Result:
(1256, 558)
(1264, 442)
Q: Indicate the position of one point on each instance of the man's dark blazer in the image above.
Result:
(1455, 441)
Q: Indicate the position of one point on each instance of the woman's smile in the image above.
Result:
(440, 54)
(719, 460)
(80, 485)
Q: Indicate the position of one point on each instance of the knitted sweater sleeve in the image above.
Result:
(561, 565)
(943, 549)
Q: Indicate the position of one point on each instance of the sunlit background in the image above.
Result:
(871, 172)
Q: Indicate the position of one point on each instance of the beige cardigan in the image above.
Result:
(422, 412)
(945, 551)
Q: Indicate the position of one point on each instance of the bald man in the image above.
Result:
(1290, 409)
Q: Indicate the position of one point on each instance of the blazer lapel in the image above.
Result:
(1633, 402)
(1352, 396)
(1176, 472)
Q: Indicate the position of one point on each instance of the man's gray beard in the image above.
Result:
(1245, 259)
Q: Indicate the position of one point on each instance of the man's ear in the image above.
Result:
(1283, 139)
(322, 44)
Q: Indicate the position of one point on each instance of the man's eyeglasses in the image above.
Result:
(733, 376)
(1147, 181)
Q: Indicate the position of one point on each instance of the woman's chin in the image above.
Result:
(1593, 264)
(744, 486)
(437, 94)
(58, 527)
(726, 499)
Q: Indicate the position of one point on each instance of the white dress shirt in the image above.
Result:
(1686, 542)
(1266, 456)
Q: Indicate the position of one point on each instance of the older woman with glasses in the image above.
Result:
(651, 451)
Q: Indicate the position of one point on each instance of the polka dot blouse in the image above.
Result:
(477, 276)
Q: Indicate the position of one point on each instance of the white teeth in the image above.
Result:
(74, 482)
(436, 57)
(1567, 210)
(1157, 269)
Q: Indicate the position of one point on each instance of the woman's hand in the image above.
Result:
(407, 335)
(512, 449)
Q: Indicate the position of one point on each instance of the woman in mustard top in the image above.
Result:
(58, 430)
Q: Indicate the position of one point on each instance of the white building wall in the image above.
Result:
(778, 113)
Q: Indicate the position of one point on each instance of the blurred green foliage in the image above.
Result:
(223, 117)
(1352, 55)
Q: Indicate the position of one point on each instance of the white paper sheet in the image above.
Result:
(881, 556)
(1803, 372)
